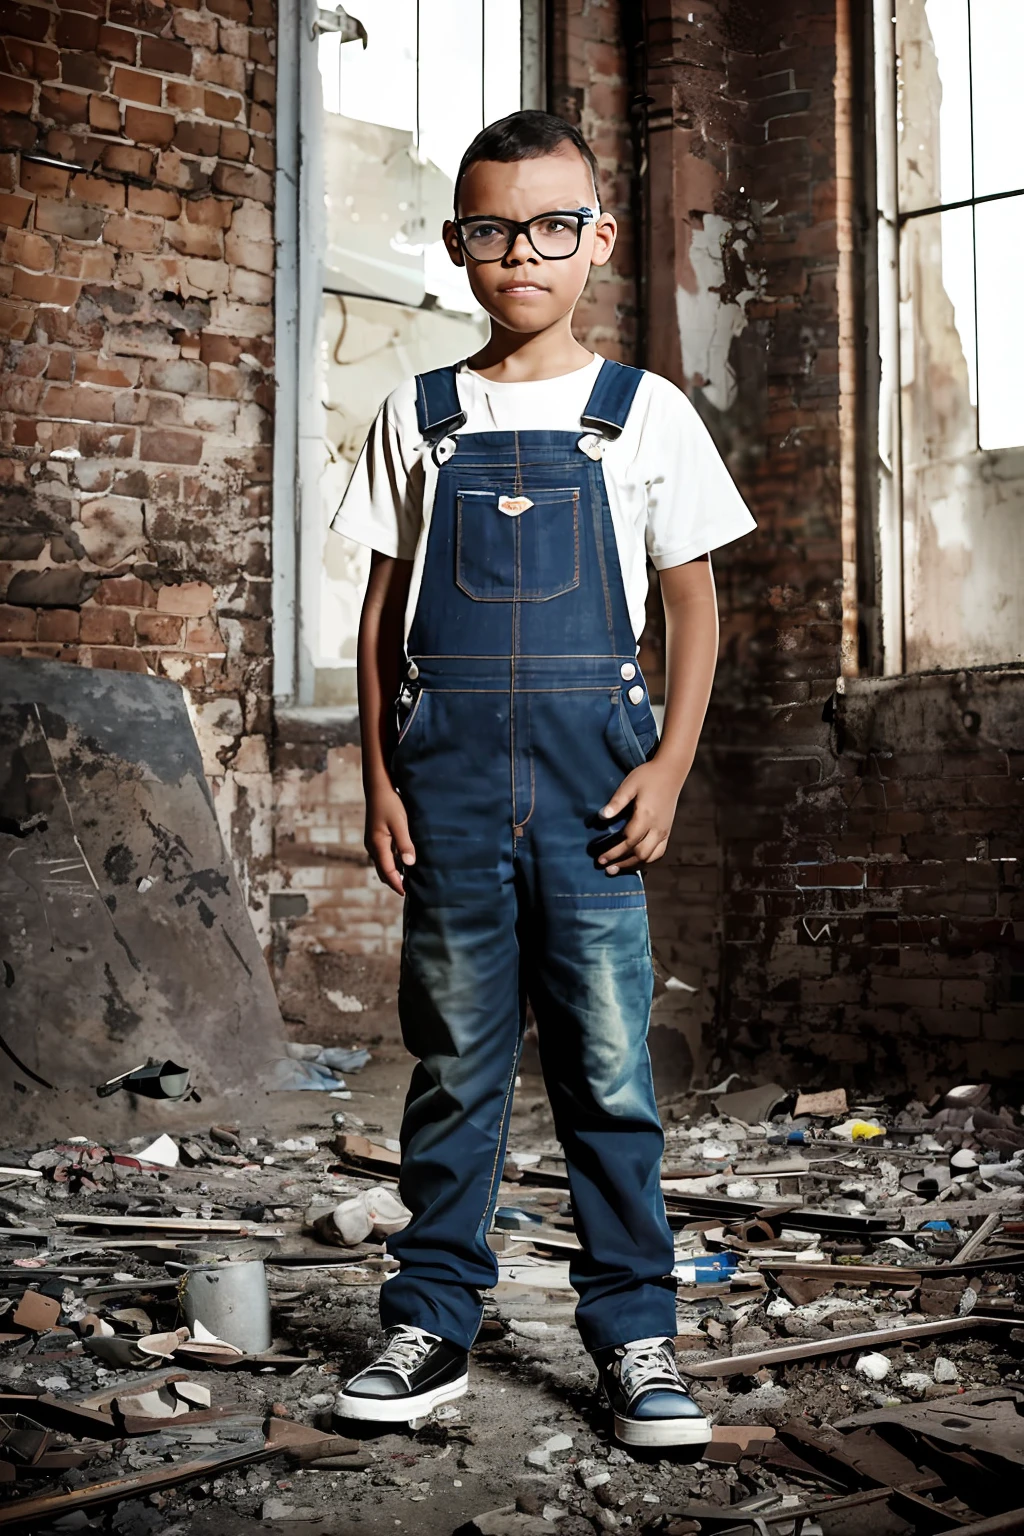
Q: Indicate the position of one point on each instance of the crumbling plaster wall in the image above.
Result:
(136, 372)
(867, 916)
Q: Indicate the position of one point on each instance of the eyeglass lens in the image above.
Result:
(551, 235)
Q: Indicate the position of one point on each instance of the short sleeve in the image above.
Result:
(693, 505)
(383, 502)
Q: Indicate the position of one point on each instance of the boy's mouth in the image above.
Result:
(522, 288)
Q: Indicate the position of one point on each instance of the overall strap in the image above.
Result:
(438, 410)
(611, 398)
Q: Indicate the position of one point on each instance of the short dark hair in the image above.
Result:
(524, 135)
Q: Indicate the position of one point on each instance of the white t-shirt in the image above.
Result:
(671, 497)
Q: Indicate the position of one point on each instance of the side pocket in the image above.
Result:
(406, 717)
(633, 743)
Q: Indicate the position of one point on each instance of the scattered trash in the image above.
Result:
(154, 1080)
(374, 1214)
(831, 1103)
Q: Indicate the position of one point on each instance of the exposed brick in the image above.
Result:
(44, 180)
(27, 250)
(77, 31)
(14, 210)
(76, 222)
(170, 58)
(226, 108)
(116, 43)
(133, 233)
(16, 95)
(189, 599)
(106, 626)
(59, 625)
(216, 212)
(158, 628)
(63, 106)
(104, 114)
(147, 127)
(127, 160)
(97, 189)
(197, 138)
(87, 70)
(158, 201)
(166, 446)
(243, 181)
(45, 288)
(132, 85)
(17, 623)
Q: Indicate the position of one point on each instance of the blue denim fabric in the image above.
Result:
(516, 727)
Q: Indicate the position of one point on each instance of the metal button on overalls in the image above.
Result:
(521, 644)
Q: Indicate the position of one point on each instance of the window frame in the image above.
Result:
(882, 608)
(298, 299)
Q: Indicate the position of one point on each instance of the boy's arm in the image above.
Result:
(691, 652)
(381, 647)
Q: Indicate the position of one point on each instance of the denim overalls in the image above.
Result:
(522, 711)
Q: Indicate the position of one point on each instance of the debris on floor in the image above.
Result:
(177, 1315)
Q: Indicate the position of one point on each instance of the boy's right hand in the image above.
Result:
(387, 839)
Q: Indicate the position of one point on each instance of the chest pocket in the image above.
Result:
(530, 553)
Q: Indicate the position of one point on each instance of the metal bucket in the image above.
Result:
(232, 1301)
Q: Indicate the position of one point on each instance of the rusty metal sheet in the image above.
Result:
(123, 932)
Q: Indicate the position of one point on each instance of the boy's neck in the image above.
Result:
(515, 357)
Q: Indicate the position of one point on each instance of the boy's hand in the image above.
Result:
(387, 839)
(654, 790)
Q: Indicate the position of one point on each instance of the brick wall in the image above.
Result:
(136, 326)
(844, 881)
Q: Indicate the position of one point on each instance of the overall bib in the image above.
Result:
(522, 712)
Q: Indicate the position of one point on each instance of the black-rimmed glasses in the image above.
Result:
(554, 236)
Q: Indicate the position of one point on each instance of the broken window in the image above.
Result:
(951, 205)
(402, 96)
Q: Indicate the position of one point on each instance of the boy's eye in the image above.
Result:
(484, 231)
(554, 227)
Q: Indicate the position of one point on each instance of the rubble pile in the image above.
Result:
(177, 1314)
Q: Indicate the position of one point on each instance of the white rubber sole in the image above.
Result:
(652, 1433)
(389, 1410)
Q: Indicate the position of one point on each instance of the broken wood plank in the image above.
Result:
(844, 1274)
(170, 1224)
(46, 1507)
(839, 1344)
(978, 1239)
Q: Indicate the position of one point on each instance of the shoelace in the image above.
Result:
(406, 1348)
(643, 1365)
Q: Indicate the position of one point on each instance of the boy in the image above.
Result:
(510, 503)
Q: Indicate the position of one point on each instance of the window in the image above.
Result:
(951, 328)
(391, 95)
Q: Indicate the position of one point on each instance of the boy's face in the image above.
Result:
(524, 292)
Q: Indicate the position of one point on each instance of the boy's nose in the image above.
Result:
(521, 251)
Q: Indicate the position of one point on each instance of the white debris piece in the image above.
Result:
(163, 1152)
(373, 1213)
(873, 1367)
(345, 1002)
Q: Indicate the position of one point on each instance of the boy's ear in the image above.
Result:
(605, 231)
(450, 236)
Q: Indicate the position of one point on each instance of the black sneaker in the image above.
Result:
(414, 1373)
(645, 1392)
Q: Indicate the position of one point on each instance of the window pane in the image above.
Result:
(997, 59)
(1000, 233)
(503, 87)
(937, 354)
(934, 103)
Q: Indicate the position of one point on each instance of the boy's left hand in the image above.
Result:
(654, 790)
